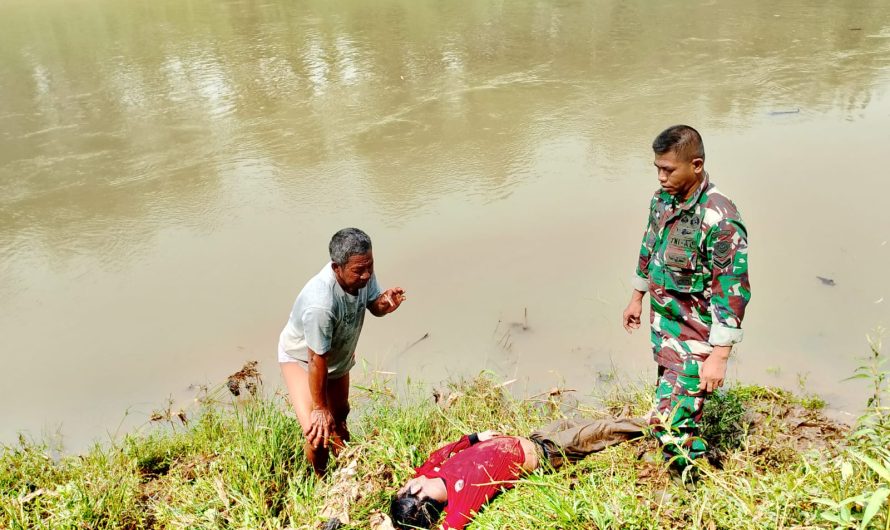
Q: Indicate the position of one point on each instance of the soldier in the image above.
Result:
(694, 265)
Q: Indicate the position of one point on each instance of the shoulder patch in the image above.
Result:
(721, 256)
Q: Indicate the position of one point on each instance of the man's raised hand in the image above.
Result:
(392, 299)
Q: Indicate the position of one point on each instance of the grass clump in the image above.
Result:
(775, 462)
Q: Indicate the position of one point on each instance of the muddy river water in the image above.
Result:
(171, 172)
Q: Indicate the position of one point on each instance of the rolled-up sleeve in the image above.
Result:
(727, 247)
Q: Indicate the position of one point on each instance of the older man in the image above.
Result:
(694, 265)
(316, 349)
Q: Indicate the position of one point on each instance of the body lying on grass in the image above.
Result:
(461, 477)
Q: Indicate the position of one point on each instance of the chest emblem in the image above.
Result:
(682, 244)
(459, 485)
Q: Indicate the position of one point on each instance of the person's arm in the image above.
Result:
(727, 248)
(444, 453)
(321, 420)
(318, 325)
(631, 318)
(468, 501)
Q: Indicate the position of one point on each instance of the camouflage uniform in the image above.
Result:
(694, 265)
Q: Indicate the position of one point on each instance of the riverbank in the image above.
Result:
(236, 462)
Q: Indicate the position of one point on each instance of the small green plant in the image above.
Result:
(873, 427)
(864, 506)
(723, 423)
(873, 369)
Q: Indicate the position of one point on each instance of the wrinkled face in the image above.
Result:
(356, 273)
(678, 176)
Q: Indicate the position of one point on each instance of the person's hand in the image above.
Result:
(321, 425)
(712, 371)
(391, 299)
(631, 317)
(408, 487)
(487, 435)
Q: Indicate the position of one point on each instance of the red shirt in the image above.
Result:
(473, 474)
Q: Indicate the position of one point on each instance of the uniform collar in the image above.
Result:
(694, 199)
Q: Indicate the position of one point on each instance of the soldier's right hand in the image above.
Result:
(631, 317)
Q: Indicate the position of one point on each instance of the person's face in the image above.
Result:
(415, 487)
(419, 486)
(678, 176)
(356, 273)
(424, 487)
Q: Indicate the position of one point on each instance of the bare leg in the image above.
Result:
(338, 401)
(297, 380)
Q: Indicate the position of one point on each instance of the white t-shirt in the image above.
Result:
(327, 319)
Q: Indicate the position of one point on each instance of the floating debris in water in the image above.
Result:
(826, 281)
(168, 414)
(781, 112)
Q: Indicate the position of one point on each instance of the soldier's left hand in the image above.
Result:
(712, 372)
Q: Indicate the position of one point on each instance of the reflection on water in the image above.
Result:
(114, 95)
(153, 149)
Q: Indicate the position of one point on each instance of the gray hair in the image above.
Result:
(347, 243)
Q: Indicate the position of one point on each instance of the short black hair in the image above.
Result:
(409, 511)
(681, 139)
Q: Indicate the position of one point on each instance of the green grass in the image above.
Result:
(238, 463)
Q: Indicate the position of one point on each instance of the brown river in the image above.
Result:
(171, 172)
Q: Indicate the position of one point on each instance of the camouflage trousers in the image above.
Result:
(677, 412)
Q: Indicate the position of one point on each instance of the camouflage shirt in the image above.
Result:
(694, 264)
